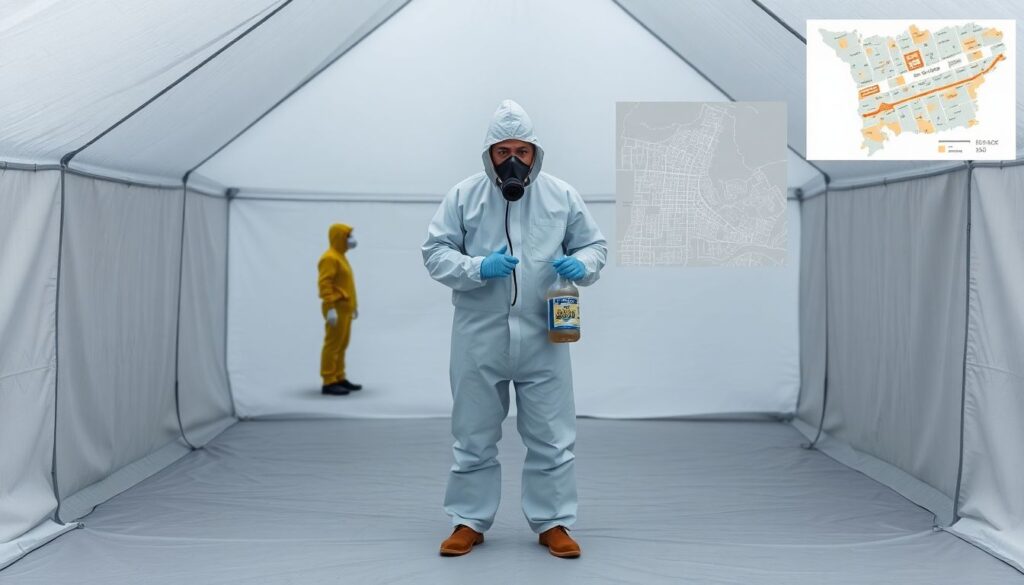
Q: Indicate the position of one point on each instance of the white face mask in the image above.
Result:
(352, 242)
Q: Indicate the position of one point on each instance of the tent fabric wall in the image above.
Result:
(204, 397)
(732, 347)
(990, 507)
(29, 233)
(118, 307)
(896, 300)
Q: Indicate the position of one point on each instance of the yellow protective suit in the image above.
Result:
(338, 291)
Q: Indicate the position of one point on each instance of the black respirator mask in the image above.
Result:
(513, 177)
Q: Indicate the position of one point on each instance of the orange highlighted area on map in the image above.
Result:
(871, 90)
(913, 60)
(885, 107)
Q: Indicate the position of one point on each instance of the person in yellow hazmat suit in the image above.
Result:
(338, 295)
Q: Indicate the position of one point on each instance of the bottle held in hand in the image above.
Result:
(563, 299)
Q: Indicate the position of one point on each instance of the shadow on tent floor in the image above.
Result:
(359, 501)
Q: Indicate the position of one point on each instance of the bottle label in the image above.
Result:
(563, 313)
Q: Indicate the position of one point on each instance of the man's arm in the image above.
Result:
(584, 240)
(444, 251)
(328, 271)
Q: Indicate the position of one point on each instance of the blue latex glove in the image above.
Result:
(569, 267)
(498, 264)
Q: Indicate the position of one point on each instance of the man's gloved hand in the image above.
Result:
(332, 317)
(569, 267)
(498, 264)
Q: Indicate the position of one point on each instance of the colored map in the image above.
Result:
(923, 80)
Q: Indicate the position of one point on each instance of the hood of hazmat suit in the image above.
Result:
(510, 121)
(338, 235)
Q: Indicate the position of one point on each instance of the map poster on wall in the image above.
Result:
(911, 90)
(701, 183)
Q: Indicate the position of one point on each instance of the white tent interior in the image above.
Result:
(168, 171)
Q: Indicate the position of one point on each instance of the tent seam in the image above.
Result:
(967, 328)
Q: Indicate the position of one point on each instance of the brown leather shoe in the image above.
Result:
(559, 543)
(461, 541)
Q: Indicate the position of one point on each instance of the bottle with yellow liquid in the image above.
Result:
(563, 300)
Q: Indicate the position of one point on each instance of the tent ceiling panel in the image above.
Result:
(72, 69)
(210, 107)
(411, 122)
(738, 46)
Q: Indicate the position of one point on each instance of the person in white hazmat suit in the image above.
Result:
(498, 241)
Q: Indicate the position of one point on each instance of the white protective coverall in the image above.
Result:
(495, 342)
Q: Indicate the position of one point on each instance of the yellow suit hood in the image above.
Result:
(338, 236)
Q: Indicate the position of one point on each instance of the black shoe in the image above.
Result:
(350, 386)
(335, 389)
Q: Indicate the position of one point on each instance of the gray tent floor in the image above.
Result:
(359, 501)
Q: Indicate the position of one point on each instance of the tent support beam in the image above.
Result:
(89, 175)
(66, 159)
(4, 165)
(923, 175)
(779, 20)
(302, 84)
(887, 181)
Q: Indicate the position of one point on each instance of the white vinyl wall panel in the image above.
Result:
(990, 505)
(118, 304)
(29, 233)
(896, 314)
(203, 392)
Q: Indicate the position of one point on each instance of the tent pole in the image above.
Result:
(230, 194)
(56, 347)
(824, 384)
(776, 18)
(177, 323)
(967, 325)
